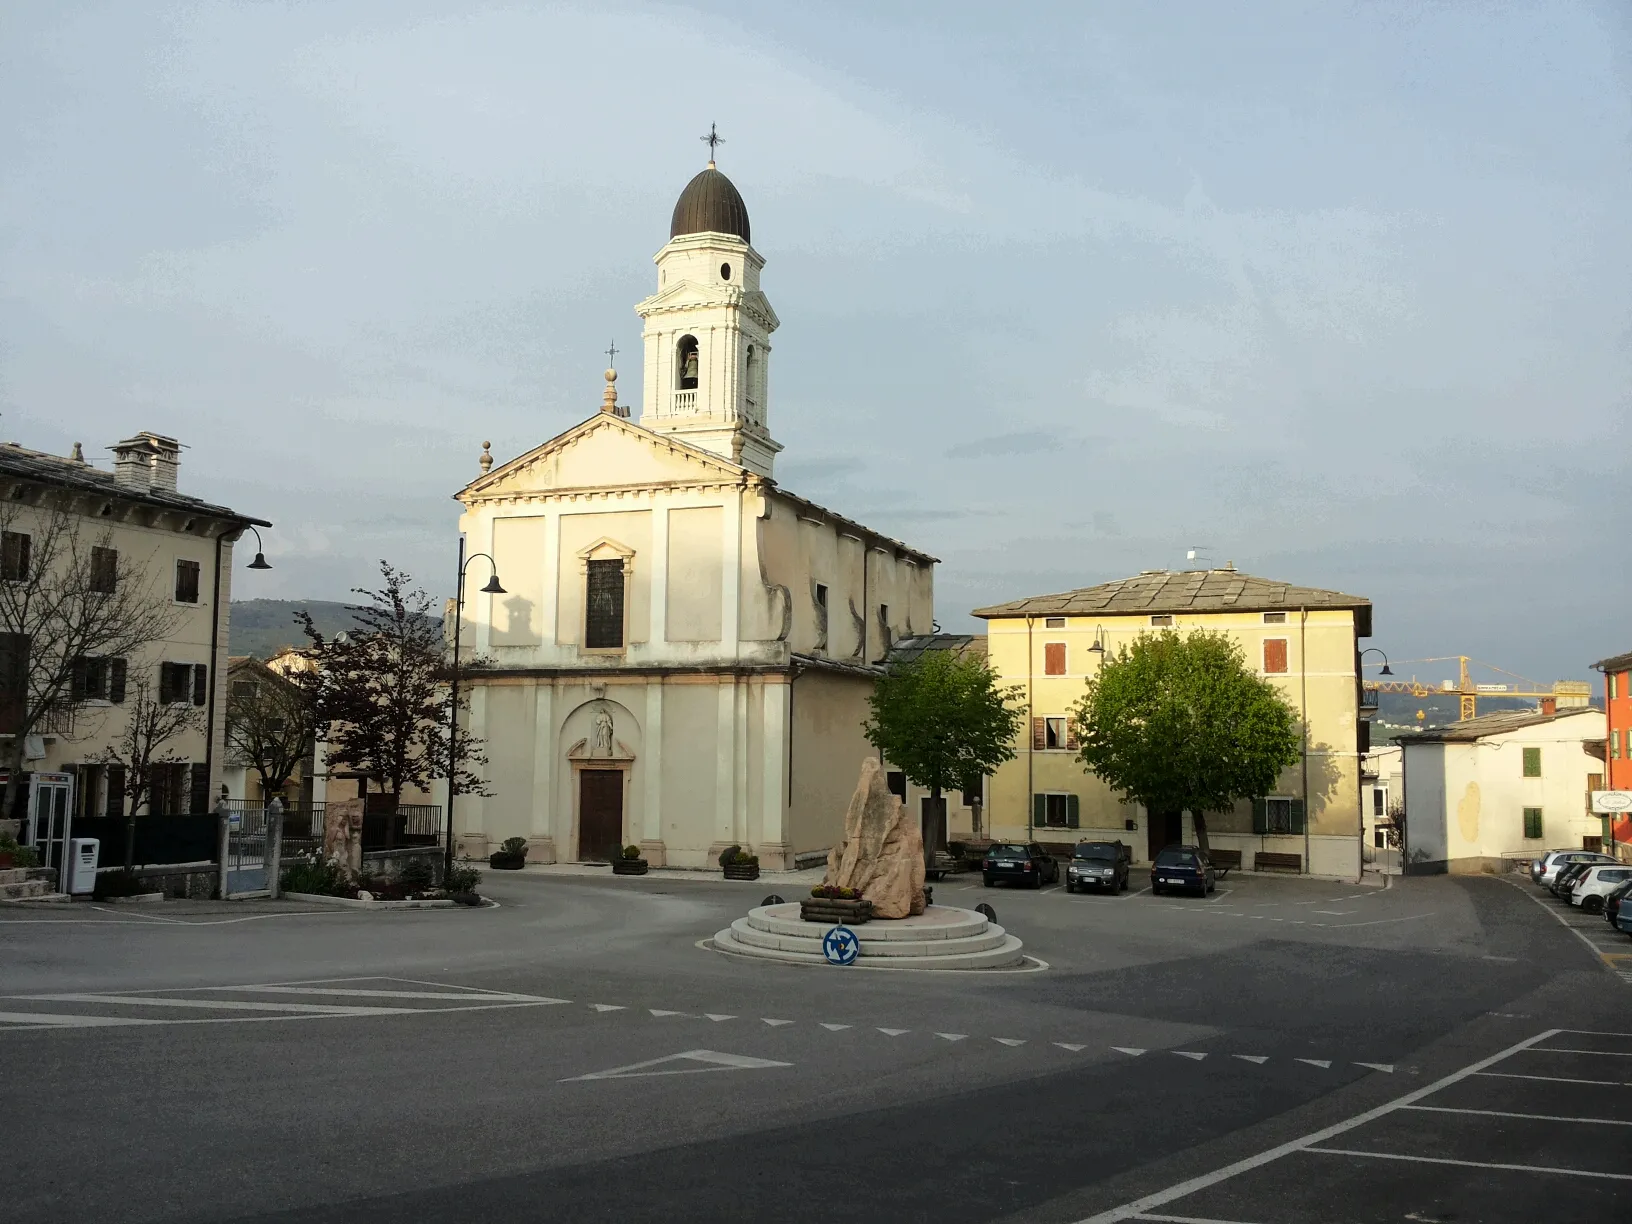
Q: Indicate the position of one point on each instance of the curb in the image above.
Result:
(354, 903)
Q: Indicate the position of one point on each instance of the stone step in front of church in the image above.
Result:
(943, 937)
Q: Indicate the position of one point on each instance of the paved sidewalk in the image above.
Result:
(807, 877)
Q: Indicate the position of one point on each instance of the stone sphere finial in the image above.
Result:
(611, 376)
(487, 458)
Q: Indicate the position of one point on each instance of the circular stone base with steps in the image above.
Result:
(940, 938)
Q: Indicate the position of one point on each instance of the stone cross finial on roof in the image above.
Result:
(486, 460)
(713, 140)
(609, 399)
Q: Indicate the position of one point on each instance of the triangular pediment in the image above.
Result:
(604, 452)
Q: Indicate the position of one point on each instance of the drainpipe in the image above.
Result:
(1303, 681)
(1031, 741)
(215, 645)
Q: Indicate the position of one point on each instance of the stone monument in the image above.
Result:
(882, 854)
(343, 835)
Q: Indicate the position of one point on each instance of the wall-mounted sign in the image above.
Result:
(1610, 803)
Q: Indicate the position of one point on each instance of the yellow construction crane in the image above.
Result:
(1570, 692)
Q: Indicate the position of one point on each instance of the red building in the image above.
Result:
(1618, 745)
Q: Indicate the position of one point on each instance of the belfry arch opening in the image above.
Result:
(686, 364)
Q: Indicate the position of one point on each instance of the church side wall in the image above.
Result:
(508, 812)
(691, 751)
(828, 748)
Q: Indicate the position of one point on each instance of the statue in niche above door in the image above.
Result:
(601, 735)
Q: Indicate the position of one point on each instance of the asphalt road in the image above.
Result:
(1285, 1051)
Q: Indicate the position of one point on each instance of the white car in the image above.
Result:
(1555, 860)
(1594, 887)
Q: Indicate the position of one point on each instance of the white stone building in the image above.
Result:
(683, 652)
(1500, 787)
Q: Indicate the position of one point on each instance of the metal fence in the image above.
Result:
(412, 824)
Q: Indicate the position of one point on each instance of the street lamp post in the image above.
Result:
(492, 588)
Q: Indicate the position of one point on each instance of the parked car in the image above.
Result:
(1099, 865)
(1567, 875)
(1556, 860)
(1613, 902)
(1593, 886)
(1183, 867)
(1546, 859)
(1020, 862)
(1623, 917)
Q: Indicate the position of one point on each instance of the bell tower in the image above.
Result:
(707, 329)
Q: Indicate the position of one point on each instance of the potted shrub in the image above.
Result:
(629, 862)
(510, 856)
(741, 865)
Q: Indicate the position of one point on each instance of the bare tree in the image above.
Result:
(271, 723)
(67, 596)
(144, 749)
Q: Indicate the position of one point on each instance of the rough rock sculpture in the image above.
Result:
(882, 853)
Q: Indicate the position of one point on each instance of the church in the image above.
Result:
(683, 651)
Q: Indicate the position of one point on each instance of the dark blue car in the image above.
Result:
(1182, 868)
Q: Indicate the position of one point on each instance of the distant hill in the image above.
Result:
(1397, 712)
(262, 627)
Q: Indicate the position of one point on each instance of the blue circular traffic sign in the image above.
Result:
(840, 946)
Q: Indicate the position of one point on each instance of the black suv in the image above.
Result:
(1019, 862)
(1099, 865)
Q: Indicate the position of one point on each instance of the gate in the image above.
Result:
(246, 861)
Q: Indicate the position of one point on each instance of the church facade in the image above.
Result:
(683, 652)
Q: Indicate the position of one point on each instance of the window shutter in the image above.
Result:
(1039, 810)
(1039, 734)
(1275, 656)
(1054, 659)
(1532, 762)
(116, 681)
(1073, 812)
(1260, 816)
(1362, 736)
(200, 797)
(76, 679)
(1071, 734)
(116, 790)
(1296, 821)
(201, 683)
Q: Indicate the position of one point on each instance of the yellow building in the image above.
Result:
(1305, 640)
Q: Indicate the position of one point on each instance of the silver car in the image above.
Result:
(1553, 860)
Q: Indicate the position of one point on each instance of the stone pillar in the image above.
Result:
(540, 843)
(652, 848)
(775, 851)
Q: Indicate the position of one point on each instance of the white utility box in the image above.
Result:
(81, 866)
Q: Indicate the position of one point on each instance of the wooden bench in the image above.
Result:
(1225, 861)
(1264, 860)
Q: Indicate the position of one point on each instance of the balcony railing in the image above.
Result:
(684, 402)
(1368, 700)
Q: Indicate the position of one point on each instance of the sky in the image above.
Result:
(1338, 292)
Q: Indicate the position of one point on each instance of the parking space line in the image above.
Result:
(1170, 1219)
(1502, 1113)
(1470, 1164)
(1184, 1189)
(1558, 1079)
(1566, 1050)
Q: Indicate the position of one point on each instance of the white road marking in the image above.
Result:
(717, 1016)
(712, 1060)
(1128, 1050)
(775, 1023)
(1260, 1059)
(1557, 1079)
(382, 994)
(1563, 922)
(1195, 1054)
(1184, 1189)
(1388, 1067)
(325, 1009)
(1502, 1113)
(952, 1036)
(1469, 1164)
(893, 1032)
(1010, 1041)
(1600, 1053)
(1066, 1045)
(1334, 913)
(606, 1007)
(833, 1028)
(659, 1012)
(1323, 1063)
(52, 1020)
(1167, 1219)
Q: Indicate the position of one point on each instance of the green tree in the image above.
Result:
(1179, 723)
(943, 720)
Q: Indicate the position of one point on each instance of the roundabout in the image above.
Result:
(942, 937)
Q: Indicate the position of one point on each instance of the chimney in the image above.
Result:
(1549, 705)
(147, 461)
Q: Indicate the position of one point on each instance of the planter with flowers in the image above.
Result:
(629, 862)
(828, 903)
(738, 864)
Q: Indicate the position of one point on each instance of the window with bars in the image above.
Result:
(603, 605)
(1532, 823)
(1277, 814)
